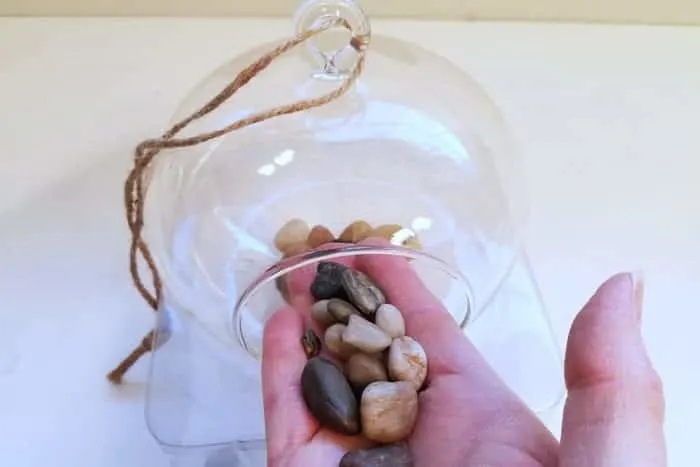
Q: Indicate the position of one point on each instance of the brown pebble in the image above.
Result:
(319, 235)
(393, 455)
(388, 411)
(385, 231)
(293, 232)
(335, 344)
(362, 369)
(355, 232)
(362, 292)
(341, 310)
(311, 343)
(329, 397)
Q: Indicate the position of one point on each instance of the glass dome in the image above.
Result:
(413, 143)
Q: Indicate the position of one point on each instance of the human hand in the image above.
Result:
(468, 417)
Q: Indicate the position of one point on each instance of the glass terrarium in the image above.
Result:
(414, 143)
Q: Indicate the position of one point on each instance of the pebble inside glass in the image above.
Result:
(415, 142)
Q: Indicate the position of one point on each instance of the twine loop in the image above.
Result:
(136, 183)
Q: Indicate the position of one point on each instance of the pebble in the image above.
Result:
(319, 235)
(388, 411)
(389, 232)
(341, 310)
(407, 361)
(365, 336)
(394, 455)
(294, 232)
(385, 231)
(311, 343)
(328, 281)
(414, 243)
(335, 344)
(355, 232)
(362, 369)
(390, 319)
(321, 314)
(296, 249)
(329, 397)
(361, 291)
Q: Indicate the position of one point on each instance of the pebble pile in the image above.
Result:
(296, 236)
(374, 389)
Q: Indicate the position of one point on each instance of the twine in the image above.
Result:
(136, 185)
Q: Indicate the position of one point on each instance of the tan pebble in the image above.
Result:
(296, 249)
(335, 344)
(385, 231)
(397, 235)
(296, 231)
(407, 361)
(356, 232)
(341, 310)
(362, 369)
(388, 411)
(321, 314)
(365, 336)
(319, 235)
(414, 243)
(390, 319)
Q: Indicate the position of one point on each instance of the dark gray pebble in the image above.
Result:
(362, 292)
(328, 281)
(329, 397)
(396, 455)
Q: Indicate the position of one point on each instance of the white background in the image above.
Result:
(607, 118)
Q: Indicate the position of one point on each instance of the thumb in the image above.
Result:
(615, 408)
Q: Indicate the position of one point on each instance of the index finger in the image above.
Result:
(426, 319)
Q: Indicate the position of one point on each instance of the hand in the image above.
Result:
(613, 415)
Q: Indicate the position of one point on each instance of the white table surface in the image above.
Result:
(608, 122)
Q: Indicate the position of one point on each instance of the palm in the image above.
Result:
(467, 416)
(437, 440)
(449, 414)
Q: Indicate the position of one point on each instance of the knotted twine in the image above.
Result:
(136, 184)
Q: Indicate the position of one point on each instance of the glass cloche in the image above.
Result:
(414, 147)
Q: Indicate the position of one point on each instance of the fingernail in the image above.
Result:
(638, 292)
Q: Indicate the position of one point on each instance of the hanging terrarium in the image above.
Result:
(356, 134)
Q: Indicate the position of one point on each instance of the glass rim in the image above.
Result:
(287, 265)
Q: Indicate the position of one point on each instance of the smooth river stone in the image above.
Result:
(390, 319)
(341, 310)
(294, 232)
(365, 336)
(321, 314)
(407, 361)
(389, 411)
(329, 397)
(362, 292)
(335, 344)
(355, 232)
(394, 455)
(362, 369)
(328, 281)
